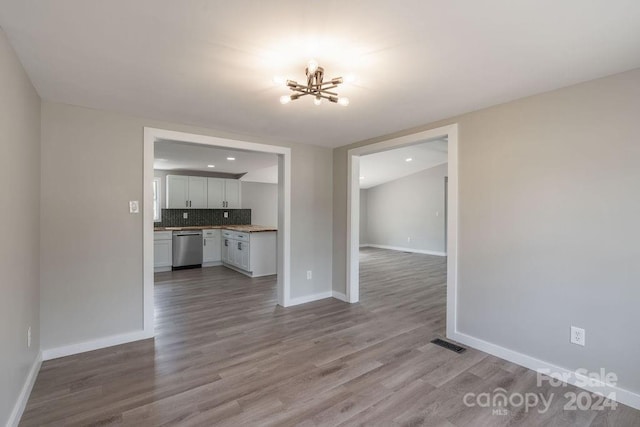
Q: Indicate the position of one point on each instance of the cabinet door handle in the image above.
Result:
(226, 242)
(186, 203)
(204, 242)
(239, 246)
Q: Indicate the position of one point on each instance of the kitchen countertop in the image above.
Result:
(241, 228)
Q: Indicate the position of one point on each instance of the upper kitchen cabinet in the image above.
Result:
(186, 192)
(223, 193)
(232, 193)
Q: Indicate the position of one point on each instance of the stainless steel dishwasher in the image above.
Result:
(187, 248)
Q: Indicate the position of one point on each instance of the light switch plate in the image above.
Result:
(134, 207)
(226, 214)
(185, 215)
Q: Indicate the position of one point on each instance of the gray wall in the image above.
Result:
(262, 199)
(549, 209)
(409, 207)
(20, 213)
(91, 168)
(364, 232)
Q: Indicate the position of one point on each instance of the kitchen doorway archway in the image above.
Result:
(151, 135)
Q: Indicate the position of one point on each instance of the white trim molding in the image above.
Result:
(339, 295)
(23, 397)
(68, 350)
(577, 379)
(309, 298)
(151, 135)
(401, 249)
(353, 211)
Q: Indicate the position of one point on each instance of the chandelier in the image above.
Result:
(316, 87)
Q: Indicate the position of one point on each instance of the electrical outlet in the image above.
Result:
(185, 215)
(578, 336)
(309, 274)
(226, 214)
(29, 337)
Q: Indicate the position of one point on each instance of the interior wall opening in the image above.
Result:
(217, 220)
(402, 220)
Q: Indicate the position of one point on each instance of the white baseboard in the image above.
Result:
(68, 350)
(364, 245)
(211, 264)
(23, 397)
(308, 298)
(623, 396)
(339, 295)
(398, 248)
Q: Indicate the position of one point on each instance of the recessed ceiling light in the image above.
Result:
(408, 159)
(211, 166)
(231, 158)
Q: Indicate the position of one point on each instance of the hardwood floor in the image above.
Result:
(225, 354)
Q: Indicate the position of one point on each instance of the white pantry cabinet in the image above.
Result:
(162, 251)
(223, 193)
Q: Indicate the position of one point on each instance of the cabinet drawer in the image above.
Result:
(211, 233)
(228, 234)
(162, 235)
(243, 237)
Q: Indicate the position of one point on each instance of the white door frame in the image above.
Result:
(353, 212)
(151, 135)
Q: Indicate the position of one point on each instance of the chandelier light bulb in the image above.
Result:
(285, 99)
(317, 101)
(344, 101)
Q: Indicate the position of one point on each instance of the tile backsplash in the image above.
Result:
(174, 217)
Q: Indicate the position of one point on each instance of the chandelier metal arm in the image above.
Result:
(315, 86)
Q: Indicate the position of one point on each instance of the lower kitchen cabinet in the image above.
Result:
(253, 254)
(162, 251)
(211, 248)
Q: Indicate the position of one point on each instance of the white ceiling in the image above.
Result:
(259, 167)
(378, 168)
(211, 63)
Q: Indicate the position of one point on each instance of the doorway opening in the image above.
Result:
(450, 212)
(192, 197)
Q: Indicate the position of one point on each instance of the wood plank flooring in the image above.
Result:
(226, 355)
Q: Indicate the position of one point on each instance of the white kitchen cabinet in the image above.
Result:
(162, 251)
(232, 193)
(177, 191)
(197, 192)
(215, 193)
(223, 193)
(225, 248)
(253, 254)
(211, 250)
(186, 192)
